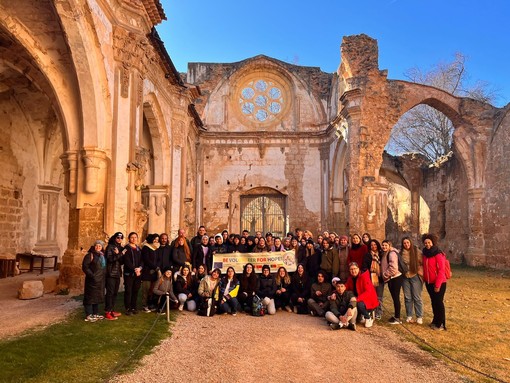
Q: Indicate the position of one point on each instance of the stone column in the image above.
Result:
(375, 197)
(86, 214)
(48, 219)
(155, 200)
(325, 187)
(476, 244)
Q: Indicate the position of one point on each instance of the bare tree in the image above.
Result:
(426, 130)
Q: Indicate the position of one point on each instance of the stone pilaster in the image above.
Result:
(476, 248)
(48, 219)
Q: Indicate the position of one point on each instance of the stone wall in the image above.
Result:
(496, 210)
(445, 194)
(230, 172)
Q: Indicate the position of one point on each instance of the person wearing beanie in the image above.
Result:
(266, 290)
(114, 253)
(164, 287)
(94, 267)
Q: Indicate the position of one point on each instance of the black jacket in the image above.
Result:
(94, 277)
(113, 260)
(198, 256)
(164, 255)
(132, 259)
(266, 286)
(150, 264)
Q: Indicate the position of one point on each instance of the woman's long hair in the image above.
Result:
(286, 278)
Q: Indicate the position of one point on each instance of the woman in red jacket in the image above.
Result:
(364, 291)
(435, 279)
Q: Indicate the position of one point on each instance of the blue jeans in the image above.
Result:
(412, 296)
(230, 305)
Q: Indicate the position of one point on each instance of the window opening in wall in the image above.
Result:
(265, 213)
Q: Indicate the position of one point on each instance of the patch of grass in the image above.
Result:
(477, 303)
(75, 350)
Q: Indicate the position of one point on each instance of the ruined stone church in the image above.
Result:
(100, 133)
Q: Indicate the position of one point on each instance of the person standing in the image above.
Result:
(150, 271)
(132, 273)
(435, 279)
(202, 254)
(197, 239)
(392, 277)
(413, 280)
(94, 267)
(114, 254)
(164, 252)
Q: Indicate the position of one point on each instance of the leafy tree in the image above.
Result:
(426, 130)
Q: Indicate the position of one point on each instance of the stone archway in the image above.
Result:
(372, 105)
(34, 212)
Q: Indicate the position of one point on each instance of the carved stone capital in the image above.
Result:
(92, 159)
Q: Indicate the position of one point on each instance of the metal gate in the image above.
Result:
(265, 213)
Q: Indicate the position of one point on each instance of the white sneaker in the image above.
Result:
(362, 320)
(369, 322)
(90, 318)
(419, 320)
(409, 320)
(181, 307)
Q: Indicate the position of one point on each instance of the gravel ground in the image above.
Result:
(18, 315)
(286, 348)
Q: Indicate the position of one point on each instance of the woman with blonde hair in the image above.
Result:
(282, 295)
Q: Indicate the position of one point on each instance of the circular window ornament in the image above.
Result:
(261, 100)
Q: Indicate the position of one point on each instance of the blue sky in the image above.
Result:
(409, 33)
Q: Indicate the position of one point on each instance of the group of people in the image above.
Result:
(339, 278)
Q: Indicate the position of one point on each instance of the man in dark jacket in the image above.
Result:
(318, 302)
(197, 239)
(343, 311)
(164, 252)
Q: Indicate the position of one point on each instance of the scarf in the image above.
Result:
(432, 252)
(375, 269)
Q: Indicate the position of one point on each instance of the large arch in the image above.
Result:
(373, 104)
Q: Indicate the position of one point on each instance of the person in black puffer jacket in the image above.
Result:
(94, 267)
(267, 289)
(114, 255)
(150, 271)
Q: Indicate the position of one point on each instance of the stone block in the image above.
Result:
(31, 290)
(50, 283)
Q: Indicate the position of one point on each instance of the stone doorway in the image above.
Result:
(265, 213)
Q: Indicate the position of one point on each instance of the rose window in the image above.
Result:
(261, 100)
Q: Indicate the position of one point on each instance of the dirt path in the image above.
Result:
(18, 316)
(285, 348)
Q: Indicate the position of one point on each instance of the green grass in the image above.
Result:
(477, 303)
(75, 350)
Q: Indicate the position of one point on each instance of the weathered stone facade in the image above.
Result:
(268, 129)
(97, 127)
(99, 133)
